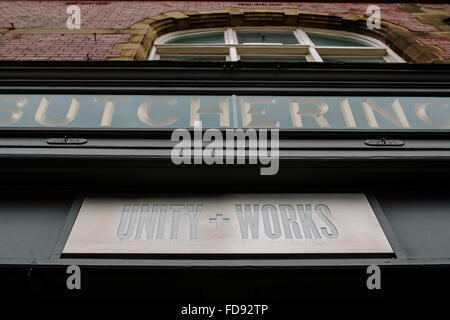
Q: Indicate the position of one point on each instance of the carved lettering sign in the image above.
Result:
(227, 224)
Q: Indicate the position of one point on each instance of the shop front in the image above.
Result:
(89, 179)
(252, 157)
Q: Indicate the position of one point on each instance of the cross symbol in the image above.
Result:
(219, 220)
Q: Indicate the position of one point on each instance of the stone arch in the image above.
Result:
(144, 32)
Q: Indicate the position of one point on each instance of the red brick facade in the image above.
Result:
(39, 27)
(60, 46)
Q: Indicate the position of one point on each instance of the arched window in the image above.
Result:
(274, 44)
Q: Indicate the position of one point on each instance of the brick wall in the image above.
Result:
(59, 46)
(40, 26)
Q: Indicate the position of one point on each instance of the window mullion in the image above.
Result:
(303, 38)
(228, 34)
(233, 54)
(231, 38)
(313, 55)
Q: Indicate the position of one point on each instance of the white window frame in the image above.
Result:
(232, 50)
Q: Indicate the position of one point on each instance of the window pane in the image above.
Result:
(338, 59)
(203, 38)
(284, 37)
(192, 58)
(273, 59)
(336, 41)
